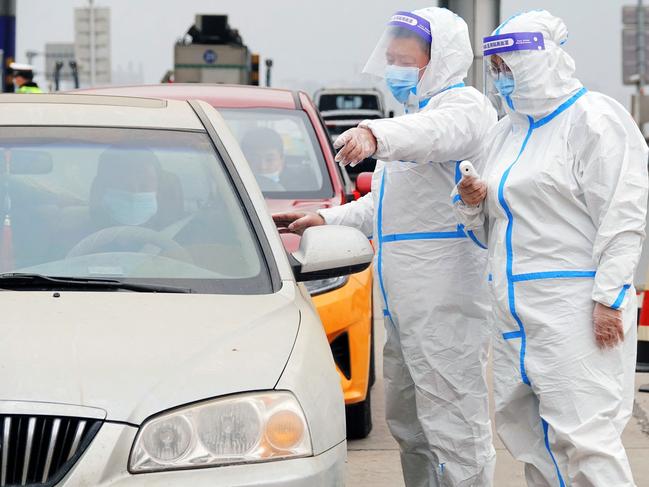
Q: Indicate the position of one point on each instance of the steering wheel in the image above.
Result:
(129, 239)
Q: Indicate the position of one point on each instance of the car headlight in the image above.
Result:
(320, 286)
(253, 427)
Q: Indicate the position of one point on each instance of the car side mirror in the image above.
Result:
(329, 251)
(364, 183)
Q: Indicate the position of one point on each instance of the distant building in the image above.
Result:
(82, 44)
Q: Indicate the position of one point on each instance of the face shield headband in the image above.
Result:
(514, 41)
(413, 22)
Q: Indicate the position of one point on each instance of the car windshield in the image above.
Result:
(283, 152)
(133, 205)
(347, 102)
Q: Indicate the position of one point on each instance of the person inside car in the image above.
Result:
(264, 150)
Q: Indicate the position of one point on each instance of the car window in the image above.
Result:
(348, 102)
(283, 152)
(150, 206)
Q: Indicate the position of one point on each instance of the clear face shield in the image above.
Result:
(499, 80)
(402, 56)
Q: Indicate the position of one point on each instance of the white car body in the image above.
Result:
(121, 358)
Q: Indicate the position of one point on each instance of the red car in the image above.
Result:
(288, 147)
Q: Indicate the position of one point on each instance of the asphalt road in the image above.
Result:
(374, 461)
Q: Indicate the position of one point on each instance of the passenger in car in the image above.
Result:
(264, 150)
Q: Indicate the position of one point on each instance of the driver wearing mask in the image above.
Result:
(264, 150)
(127, 191)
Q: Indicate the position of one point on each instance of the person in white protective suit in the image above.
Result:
(564, 191)
(430, 271)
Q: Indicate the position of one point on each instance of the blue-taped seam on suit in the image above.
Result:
(535, 276)
(379, 263)
(620, 298)
(544, 425)
(530, 276)
(475, 240)
(510, 335)
(508, 245)
(511, 278)
(396, 237)
(456, 198)
(457, 85)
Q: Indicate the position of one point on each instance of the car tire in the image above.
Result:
(359, 418)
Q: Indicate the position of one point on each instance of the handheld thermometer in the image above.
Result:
(467, 170)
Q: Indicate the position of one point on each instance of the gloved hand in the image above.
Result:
(357, 144)
(607, 323)
(472, 190)
(297, 221)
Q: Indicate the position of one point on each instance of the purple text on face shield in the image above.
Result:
(514, 41)
(412, 22)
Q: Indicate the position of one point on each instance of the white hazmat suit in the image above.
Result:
(566, 172)
(431, 272)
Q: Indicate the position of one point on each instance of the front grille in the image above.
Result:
(40, 450)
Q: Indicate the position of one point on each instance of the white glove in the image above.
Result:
(607, 323)
(355, 145)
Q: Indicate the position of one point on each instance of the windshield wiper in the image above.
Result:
(16, 280)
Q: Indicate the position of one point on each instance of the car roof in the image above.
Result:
(96, 111)
(220, 96)
(349, 91)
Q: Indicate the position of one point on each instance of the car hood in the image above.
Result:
(135, 354)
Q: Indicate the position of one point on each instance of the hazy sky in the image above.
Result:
(313, 44)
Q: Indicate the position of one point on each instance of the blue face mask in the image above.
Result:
(504, 84)
(401, 81)
(130, 208)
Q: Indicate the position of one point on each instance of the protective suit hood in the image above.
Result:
(544, 79)
(450, 51)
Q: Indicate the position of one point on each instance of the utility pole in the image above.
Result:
(482, 17)
(269, 67)
(640, 50)
(93, 59)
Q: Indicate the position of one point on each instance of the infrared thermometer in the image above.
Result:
(467, 170)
